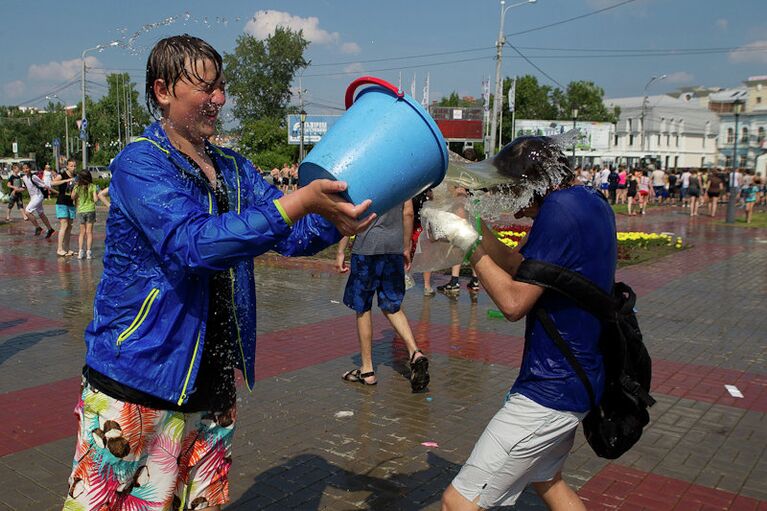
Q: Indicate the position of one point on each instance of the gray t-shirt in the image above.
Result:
(384, 236)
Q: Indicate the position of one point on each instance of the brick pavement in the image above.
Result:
(701, 311)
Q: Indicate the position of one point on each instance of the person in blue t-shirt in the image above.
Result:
(529, 439)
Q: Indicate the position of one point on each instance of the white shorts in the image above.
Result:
(35, 204)
(523, 443)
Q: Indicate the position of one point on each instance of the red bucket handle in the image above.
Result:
(369, 80)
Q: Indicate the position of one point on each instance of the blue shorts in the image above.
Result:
(604, 186)
(370, 274)
(66, 212)
(660, 191)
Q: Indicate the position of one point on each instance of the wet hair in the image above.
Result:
(84, 178)
(175, 58)
(71, 160)
(534, 158)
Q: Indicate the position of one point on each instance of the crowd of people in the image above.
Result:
(286, 178)
(76, 197)
(687, 188)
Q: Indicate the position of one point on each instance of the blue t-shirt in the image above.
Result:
(575, 229)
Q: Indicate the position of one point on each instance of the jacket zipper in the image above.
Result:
(140, 317)
(189, 371)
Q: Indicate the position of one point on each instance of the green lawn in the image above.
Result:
(759, 220)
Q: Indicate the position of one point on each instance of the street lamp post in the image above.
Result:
(498, 99)
(734, 185)
(644, 107)
(575, 140)
(301, 146)
(82, 57)
(66, 127)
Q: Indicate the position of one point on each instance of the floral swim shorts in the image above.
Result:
(134, 457)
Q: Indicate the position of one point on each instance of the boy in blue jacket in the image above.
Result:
(175, 311)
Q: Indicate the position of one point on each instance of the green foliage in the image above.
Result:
(455, 100)
(259, 73)
(34, 130)
(588, 98)
(264, 142)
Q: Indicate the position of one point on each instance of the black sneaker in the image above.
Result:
(450, 287)
(38, 230)
(473, 285)
(49, 233)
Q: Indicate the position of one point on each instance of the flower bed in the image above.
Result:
(630, 244)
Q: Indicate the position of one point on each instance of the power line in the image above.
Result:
(544, 73)
(568, 20)
(342, 73)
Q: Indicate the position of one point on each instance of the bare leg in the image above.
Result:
(401, 325)
(454, 501)
(365, 336)
(427, 280)
(44, 218)
(31, 218)
(81, 237)
(63, 227)
(558, 496)
(89, 236)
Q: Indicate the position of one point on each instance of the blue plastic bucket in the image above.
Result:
(386, 147)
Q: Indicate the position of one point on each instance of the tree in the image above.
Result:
(588, 98)
(103, 118)
(456, 101)
(533, 100)
(259, 73)
(263, 141)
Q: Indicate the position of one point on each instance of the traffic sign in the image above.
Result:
(84, 124)
(83, 134)
(56, 142)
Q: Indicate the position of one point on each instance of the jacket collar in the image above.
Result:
(156, 133)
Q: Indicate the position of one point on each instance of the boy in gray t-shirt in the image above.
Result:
(380, 257)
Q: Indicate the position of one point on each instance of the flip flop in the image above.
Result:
(357, 376)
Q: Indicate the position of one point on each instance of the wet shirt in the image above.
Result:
(575, 229)
(384, 236)
(65, 189)
(33, 185)
(215, 388)
(16, 181)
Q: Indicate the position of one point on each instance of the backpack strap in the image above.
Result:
(573, 285)
(553, 333)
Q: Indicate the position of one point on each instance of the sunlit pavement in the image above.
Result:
(702, 311)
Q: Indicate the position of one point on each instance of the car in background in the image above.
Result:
(100, 172)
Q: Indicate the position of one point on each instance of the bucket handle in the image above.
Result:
(369, 80)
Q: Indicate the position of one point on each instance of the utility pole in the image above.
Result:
(498, 99)
(117, 101)
(734, 184)
(644, 109)
(302, 118)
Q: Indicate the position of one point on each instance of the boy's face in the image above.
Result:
(192, 107)
(26, 169)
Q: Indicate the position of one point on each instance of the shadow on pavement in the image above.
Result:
(14, 345)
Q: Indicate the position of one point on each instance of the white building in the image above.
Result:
(751, 130)
(679, 132)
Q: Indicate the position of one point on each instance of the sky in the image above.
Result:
(452, 41)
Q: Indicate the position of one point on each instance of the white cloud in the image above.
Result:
(64, 70)
(680, 77)
(722, 24)
(263, 24)
(14, 89)
(354, 68)
(351, 48)
(755, 51)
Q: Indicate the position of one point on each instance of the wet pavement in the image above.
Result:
(702, 311)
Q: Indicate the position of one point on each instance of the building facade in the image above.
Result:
(747, 135)
(679, 132)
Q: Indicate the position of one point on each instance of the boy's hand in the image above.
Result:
(322, 197)
(340, 263)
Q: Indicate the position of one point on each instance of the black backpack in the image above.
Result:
(616, 424)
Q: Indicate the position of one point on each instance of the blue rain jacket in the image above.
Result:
(163, 240)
